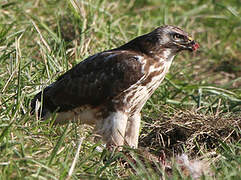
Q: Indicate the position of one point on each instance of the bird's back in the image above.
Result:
(93, 82)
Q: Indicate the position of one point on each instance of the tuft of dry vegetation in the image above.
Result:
(190, 131)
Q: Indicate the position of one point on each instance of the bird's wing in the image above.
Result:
(94, 81)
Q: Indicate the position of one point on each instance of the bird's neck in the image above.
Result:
(148, 48)
(168, 54)
(164, 54)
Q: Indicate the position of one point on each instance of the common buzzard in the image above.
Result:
(109, 89)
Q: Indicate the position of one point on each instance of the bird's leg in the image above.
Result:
(132, 130)
(113, 129)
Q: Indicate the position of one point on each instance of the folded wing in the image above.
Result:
(93, 81)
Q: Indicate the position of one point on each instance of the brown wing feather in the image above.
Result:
(93, 81)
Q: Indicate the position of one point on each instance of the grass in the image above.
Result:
(199, 101)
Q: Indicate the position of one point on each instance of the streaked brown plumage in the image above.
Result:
(110, 88)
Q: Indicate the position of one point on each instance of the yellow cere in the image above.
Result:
(189, 38)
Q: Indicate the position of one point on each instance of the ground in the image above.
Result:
(196, 110)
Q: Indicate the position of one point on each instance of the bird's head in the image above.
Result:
(173, 38)
(164, 41)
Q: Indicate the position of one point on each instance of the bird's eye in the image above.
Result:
(178, 37)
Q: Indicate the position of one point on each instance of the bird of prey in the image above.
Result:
(109, 89)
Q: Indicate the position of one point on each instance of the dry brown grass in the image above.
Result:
(190, 131)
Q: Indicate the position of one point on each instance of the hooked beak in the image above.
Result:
(191, 45)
